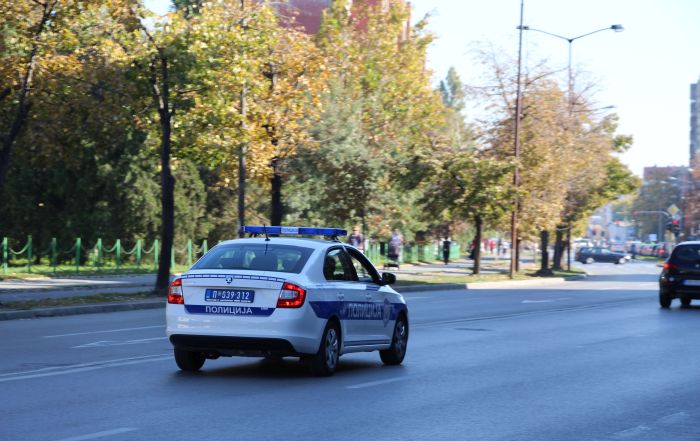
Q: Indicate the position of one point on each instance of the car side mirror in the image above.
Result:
(388, 279)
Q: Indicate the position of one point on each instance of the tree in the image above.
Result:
(26, 45)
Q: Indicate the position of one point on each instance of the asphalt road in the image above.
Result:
(587, 360)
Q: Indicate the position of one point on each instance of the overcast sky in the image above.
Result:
(645, 71)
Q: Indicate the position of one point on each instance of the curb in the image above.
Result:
(74, 287)
(81, 309)
(489, 285)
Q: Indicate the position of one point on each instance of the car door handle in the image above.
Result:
(368, 296)
(341, 296)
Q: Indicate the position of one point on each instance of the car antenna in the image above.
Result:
(267, 238)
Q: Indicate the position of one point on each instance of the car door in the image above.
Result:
(605, 256)
(340, 278)
(375, 324)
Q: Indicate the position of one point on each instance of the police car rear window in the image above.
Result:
(256, 257)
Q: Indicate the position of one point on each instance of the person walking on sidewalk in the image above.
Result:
(446, 250)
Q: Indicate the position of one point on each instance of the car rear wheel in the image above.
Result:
(325, 361)
(685, 302)
(590, 260)
(188, 360)
(664, 299)
(399, 342)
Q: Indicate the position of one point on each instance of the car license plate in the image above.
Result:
(691, 282)
(229, 295)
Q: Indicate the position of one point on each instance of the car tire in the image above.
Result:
(189, 361)
(622, 261)
(590, 260)
(685, 302)
(325, 361)
(399, 342)
(664, 299)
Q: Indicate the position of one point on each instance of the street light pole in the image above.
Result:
(570, 89)
(514, 245)
(615, 27)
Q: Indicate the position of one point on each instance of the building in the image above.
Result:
(694, 119)
(309, 13)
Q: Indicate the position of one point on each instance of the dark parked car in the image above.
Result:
(597, 254)
(680, 278)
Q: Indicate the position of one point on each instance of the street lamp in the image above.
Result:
(615, 27)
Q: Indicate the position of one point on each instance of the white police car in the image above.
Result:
(285, 296)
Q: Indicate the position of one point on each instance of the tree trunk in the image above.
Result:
(20, 117)
(559, 246)
(276, 194)
(167, 181)
(478, 223)
(544, 243)
(241, 164)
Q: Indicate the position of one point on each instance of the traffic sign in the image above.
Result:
(673, 210)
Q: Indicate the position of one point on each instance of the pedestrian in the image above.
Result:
(633, 250)
(472, 249)
(356, 239)
(395, 245)
(499, 246)
(492, 245)
(446, 250)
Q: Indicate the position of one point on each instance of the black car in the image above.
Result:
(680, 278)
(598, 254)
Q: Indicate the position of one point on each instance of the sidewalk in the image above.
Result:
(35, 289)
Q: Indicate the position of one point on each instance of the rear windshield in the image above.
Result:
(256, 257)
(686, 255)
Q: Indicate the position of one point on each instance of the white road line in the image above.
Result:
(100, 434)
(546, 300)
(103, 332)
(632, 432)
(376, 383)
(83, 367)
(104, 343)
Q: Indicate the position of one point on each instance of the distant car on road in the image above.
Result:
(680, 277)
(598, 254)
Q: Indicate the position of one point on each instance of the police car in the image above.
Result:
(273, 296)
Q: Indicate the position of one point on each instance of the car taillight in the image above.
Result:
(291, 296)
(175, 293)
(670, 266)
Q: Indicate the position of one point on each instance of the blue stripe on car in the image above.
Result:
(229, 310)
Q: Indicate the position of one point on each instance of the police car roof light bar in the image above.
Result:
(278, 230)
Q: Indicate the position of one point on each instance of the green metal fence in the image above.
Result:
(410, 253)
(104, 256)
(97, 257)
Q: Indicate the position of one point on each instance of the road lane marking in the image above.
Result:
(100, 434)
(546, 300)
(674, 418)
(525, 313)
(82, 367)
(376, 383)
(105, 331)
(632, 432)
(105, 343)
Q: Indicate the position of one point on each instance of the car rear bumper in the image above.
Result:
(677, 289)
(299, 330)
(215, 345)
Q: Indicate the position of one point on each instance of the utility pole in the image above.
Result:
(516, 173)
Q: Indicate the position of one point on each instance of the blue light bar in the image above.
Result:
(311, 231)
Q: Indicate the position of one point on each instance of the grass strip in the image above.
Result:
(73, 301)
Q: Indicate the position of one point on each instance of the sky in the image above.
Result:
(644, 71)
